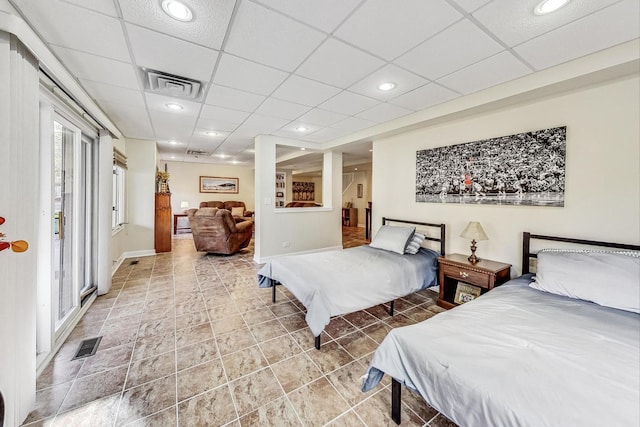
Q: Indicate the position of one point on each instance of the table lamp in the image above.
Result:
(474, 231)
(184, 205)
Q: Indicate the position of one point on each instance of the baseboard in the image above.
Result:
(269, 258)
(131, 254)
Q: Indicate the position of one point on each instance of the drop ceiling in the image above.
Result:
(276, 66)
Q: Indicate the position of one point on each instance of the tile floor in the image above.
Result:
(190, 340)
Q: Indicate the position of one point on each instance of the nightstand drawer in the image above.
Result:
(467, 276)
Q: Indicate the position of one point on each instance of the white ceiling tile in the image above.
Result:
(338, 64)
(456, 47)
(97, 68)
(171, 55)
(291, 130)
(327, 134)
(104, 92)
(269, 38)
(132, 121)
(325, 15)
(77, 28)
(169, 126)
(200, 134)
(246, 131)
(159, 103)
(225, 114)
(282, 109)
(216, 125)
(424, 97)
(585, 36)
(235, 99)
(321, 117)
(264, 124)
(208, 28)
(514, 21)
(471, 5)
(384, 112)
(388, 30)
(404, 81)
(354, 124)
(348, 103)
(304, 91)
(245, 75)
(103, 6)
(490, 72)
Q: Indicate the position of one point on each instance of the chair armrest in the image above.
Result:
(242, 226)
(248, 213)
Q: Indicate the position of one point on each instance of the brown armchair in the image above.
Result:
(215, 231)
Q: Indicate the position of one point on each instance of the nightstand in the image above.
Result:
(454, 268)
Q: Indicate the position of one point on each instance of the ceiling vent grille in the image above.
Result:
(172, 85)
(197, 153)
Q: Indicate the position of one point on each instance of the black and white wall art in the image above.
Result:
(522, 169)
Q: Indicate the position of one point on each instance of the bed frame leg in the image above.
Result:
(396, 391)
(391, 307)
(273, 294)
(317, 342)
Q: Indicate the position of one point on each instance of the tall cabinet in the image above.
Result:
(163, 222)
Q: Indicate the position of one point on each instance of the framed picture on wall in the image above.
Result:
(217, 184)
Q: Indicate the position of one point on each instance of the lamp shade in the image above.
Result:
(184, 205)
(474, 231)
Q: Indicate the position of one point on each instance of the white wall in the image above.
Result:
(141, 181)
(602, 198)
(184, 183)
(304, 229)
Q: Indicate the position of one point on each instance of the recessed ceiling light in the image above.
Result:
(303, 149)
(548, 6)
(222, 156)
(173, 157)
(212, 133)
(177, 10)
(235, 162)
(173, 106)
(386, 86)
(355, 169)
(173, 142)
(302, 129)
(371, 150)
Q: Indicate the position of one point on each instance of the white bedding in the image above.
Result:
(518, 356)
(336, 282)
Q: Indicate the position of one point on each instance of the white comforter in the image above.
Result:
(521, 357)
(336, 282)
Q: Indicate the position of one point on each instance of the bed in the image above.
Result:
(336, 282)
(521, 356)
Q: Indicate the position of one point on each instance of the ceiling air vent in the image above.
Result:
(197, 153)
(172, 85)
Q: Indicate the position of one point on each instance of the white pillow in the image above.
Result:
(414, 244)
(392, 238)
(237, 211)
(611, 279)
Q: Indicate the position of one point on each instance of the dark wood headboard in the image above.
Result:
(527, 254)
(442, 228)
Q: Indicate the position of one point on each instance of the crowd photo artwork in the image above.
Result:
(523, 169)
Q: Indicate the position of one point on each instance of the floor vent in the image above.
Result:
(87, 348)
(134, 262)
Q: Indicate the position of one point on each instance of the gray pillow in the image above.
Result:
(610, 279)
(392, 238)
(414, 244)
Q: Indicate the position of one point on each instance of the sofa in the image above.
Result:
(303, 205)
(216, 231)
(229, 205)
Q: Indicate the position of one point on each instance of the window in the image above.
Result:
(119, 180)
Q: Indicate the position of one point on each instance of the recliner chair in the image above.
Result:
(216, 231)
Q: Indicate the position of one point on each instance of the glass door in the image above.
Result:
(73, 216)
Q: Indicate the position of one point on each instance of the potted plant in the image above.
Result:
(162, 181)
